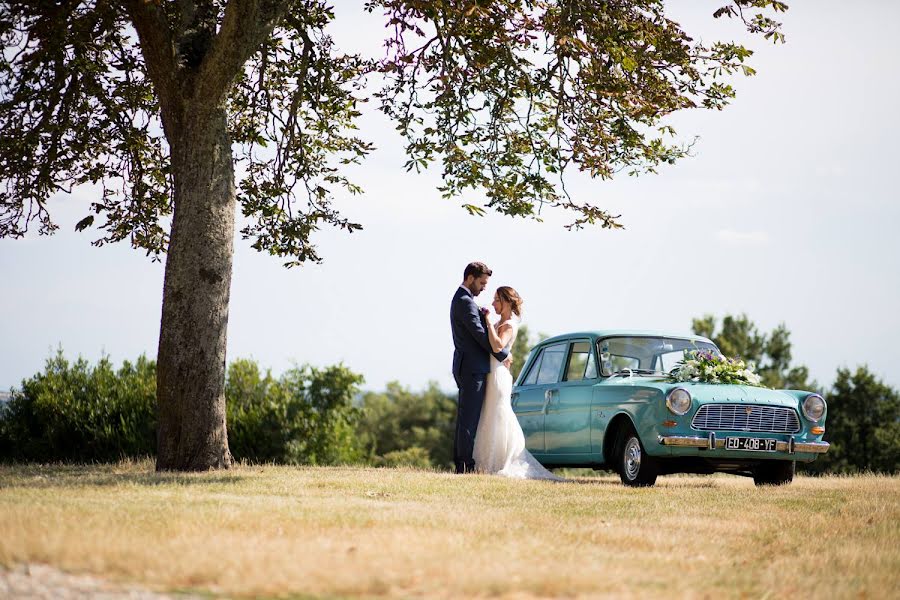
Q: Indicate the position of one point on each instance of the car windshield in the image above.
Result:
(645, 354)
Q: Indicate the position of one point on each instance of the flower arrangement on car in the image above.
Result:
(708, 367)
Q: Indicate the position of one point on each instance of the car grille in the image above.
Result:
(735, 417)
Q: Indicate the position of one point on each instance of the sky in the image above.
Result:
(788, 211)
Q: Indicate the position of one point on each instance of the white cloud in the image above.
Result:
(729, 236)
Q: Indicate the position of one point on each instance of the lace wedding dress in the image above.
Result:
(499, 441)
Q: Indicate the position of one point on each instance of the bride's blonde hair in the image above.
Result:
(512, 297)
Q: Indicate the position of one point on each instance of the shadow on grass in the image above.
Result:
(105, 475)
(662, 482)
(693, 483)
(593, 481)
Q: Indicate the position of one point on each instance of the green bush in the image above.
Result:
(76, 412)
(82, 413)
(410, 457)
(397, 421)
(304, 417)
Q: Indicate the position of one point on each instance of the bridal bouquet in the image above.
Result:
(706, 367)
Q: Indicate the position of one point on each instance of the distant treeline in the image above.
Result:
(78, 412)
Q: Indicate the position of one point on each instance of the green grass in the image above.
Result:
(335, 532)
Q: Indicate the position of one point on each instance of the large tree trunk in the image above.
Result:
(191, 361)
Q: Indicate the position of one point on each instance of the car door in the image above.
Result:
(532, 395)
(567, 423)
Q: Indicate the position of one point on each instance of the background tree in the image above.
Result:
(520, 349)
(404, 427)
(148, 98)
(771, 353)
(863, 425)
(306, 416)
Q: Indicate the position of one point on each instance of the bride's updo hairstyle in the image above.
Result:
(512, 297)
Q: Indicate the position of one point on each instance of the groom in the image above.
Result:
(471, 361)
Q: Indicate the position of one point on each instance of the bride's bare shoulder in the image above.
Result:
(505, 325)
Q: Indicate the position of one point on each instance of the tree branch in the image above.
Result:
(157, 47)
(246, 25)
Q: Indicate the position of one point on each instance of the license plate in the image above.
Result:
(748, 443)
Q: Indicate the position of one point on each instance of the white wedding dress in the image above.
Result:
(499, 441)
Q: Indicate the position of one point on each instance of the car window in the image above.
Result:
(591, 371)
(653, 353)
(579, 358)
(552, 358)
(668, 361)
(618, 362)
(531, 378)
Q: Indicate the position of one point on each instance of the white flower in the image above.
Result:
(714, 369)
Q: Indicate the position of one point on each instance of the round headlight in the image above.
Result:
(679, 401)
(813, 407)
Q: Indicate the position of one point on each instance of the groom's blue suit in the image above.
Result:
(471, 364)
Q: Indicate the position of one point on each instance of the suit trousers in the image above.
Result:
(468, 412)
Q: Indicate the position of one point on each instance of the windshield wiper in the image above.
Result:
(631, 372)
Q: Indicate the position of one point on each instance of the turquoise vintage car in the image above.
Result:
(602, 399)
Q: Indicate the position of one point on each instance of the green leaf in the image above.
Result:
(84, 223)
(474, 210)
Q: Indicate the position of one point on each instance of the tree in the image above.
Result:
(863, 425)
(521, 348)
(158, 101)
(306, 416)
(771, 353)
(406, 425)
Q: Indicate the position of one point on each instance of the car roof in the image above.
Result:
(601, 333)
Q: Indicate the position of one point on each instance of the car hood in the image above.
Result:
(711, 392)
(705, 393)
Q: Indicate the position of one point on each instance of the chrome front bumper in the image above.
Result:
(712, 443)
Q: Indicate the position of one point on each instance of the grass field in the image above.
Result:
(333, 532)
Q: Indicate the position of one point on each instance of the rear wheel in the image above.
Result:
(774, 472)
(636, 468)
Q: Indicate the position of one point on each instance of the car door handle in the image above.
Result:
(548, 396)
(514, 398)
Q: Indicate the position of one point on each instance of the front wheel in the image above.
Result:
(636, 467)
(775, 472)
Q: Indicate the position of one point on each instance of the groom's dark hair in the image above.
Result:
(476, 269)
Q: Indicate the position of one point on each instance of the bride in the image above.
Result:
(499, 441)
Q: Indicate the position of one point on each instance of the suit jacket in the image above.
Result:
(471, 347)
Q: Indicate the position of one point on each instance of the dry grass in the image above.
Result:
(279, 531)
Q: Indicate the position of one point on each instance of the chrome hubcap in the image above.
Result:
(632, 458)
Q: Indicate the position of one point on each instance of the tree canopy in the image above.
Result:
(863, 425)
(771, 353)
(190, 109)
(506, 95)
